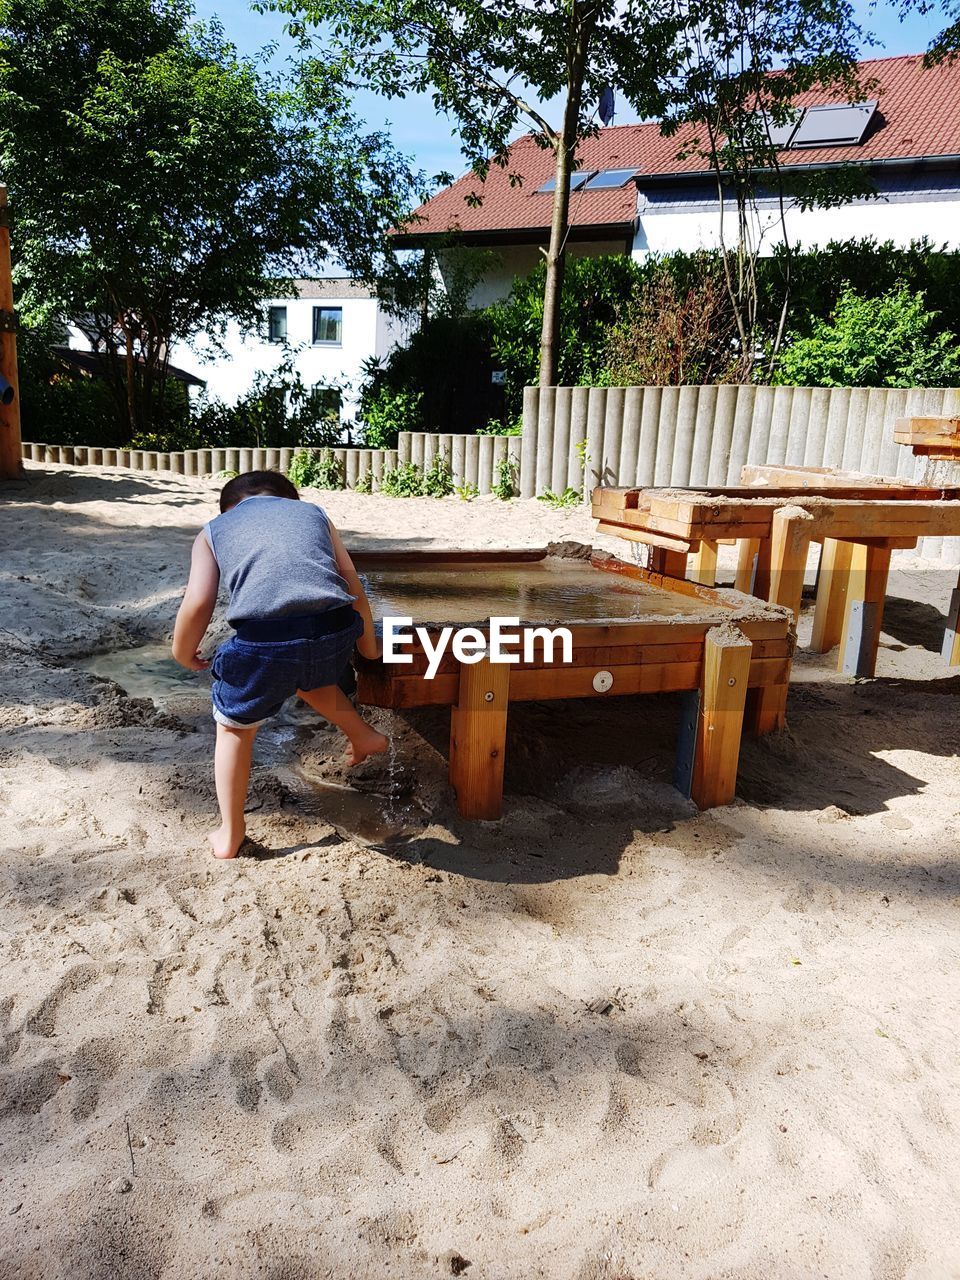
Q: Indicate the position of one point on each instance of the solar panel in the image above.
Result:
(834, 126)
(610, 178)
(780, 134)
(577, 180)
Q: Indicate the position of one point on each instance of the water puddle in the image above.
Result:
(148, 671)
(372, 817)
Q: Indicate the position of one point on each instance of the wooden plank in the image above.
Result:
(646, 536)
(704, 566)
(835, 560)
(372, 559)
(766, 709)
(747, 549)
(869, 567)
(766, 475)
(719, 728)
(789, 545)
(478, 738)
(671, 564)
(11, 446)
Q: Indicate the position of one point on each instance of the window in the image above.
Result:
(834, 126)
(610, 178)
(577, 180)
(276, 324)
(327, 326)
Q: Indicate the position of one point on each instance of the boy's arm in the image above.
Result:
(197, 606)
(368, 644)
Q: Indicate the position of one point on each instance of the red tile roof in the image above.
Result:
(918, 117)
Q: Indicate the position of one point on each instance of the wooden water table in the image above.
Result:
(633, 631)
(858, 525)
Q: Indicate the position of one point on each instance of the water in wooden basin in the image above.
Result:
(549, 590)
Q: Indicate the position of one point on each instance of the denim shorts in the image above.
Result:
(253, 678)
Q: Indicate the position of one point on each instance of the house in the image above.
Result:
(631, 193)
(327, 327)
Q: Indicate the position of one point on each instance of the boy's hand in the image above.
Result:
(193, 662)
(370, 649)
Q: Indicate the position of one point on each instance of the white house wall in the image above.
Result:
(503, 265)
(229, 374)
(666, 224)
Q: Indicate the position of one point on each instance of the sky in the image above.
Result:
(431, 142)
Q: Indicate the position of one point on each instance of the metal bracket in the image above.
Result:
(687, 741)
(953, 625)
(9, 322)
(859, 643)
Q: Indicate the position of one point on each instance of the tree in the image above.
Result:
(742, 66)
(164, 184)
(489, 65)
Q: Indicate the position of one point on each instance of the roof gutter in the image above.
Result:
(514, 235)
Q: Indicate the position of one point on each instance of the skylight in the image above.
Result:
(577, 180)
(610, 178)
(842, 124)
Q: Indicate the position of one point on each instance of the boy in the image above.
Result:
(297, 606)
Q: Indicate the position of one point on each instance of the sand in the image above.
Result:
(606, 1037)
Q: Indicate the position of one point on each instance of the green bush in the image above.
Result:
(505, 485)
(886, 341)
(402, 481)
(364, 483)
(445, 371)
(386, 412)
(316, 470)
(410, 480)
(279, 411)
(467, 491)
(499, 427)
(594, 289)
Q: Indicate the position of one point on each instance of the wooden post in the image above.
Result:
(704, 566)
(831, 595)
(11, 463)
(789, 546)
(753, 567)
(478, 736)
(951, 636)
(863, 616)
(719, 718)
(672, 564)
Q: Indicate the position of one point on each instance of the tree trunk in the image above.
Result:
(566, 145)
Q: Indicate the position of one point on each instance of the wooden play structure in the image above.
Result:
(11, 467)
(633, 631)
(858, 521)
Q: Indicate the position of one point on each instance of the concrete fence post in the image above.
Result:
(704, 429)
(561, 438)
(485, 463)
(458, 459)
(629, 460)
(666, 434)
(546, 413)
(608, 464)
(724, 425)
(528, 448)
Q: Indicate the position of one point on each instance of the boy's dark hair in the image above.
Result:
(272, 483)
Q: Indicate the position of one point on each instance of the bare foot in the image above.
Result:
(226, 843)
(370, 744)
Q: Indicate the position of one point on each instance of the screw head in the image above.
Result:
(732, 680)
(488, 696)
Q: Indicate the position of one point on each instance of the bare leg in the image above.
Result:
(333, 705)
(231, 767)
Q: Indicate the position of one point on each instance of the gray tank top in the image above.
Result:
(276, 559)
